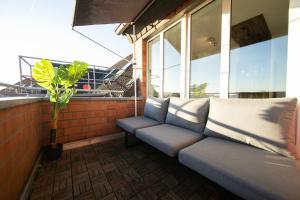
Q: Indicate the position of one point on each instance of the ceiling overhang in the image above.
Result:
(91, 12)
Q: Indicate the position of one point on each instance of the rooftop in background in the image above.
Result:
(114, 81)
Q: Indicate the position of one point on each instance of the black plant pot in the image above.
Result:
(53, 153)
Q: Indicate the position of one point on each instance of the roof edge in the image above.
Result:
(121, 28)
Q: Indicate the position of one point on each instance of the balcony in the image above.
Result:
(223, 102)
(95, 163)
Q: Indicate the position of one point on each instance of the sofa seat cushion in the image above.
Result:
(263, 123)
(132, 123)
(187, 113)
(156, 108)
(167, 138)
(247, 171)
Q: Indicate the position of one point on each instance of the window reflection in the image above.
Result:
(258, 54)
(205, 51)
(172, 59)
(154, 79)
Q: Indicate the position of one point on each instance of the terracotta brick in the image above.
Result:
(80, 115)
(72, 130)
(77, 122)
(72, 138)
(60, 132)
(67, 116)
(63, 124)
(46, 117)
(99, 113)
(91, 121)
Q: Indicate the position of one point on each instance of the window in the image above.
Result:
(205, 46)
(172, 57)
(154, 73)
(185, 59)
(258, 55)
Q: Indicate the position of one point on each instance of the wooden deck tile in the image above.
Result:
(109, 171)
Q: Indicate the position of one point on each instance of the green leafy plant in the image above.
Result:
(60, 84)
(198, 91)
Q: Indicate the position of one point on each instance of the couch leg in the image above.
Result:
(128, 137)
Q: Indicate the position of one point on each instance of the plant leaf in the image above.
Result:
(65, 97)
(43, 72)
(71, 74)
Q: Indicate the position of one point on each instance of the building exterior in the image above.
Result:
(223, 48)
(218, 48)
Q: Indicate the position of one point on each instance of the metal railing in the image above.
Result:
(8, 90)
(90, 79)
(99, 81)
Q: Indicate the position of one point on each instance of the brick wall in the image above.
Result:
(25, 128)
(20, 136)
(141, 65)
(83, 119)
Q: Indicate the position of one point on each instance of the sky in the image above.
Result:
(43, 28)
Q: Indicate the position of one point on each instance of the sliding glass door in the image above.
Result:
(205, 47)
(154, 72)
(171, 62)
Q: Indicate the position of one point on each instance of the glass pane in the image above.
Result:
(258, 55)
(172, 52)
(205, 51)
(154, 79)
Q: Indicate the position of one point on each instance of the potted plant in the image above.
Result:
(60, 84)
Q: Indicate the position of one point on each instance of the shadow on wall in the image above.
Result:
(187, 114)
(275, 121)
(244, 132)
(288, 125)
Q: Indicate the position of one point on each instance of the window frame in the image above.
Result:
(147, 68)
(161, 62)
(185, 20)
(189, 36)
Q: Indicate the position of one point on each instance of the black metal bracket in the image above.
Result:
(131, 140)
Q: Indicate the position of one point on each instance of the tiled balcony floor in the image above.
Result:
(111, 171)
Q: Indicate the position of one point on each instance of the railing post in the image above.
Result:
(20, 68)
(30, 68)
(134, 68)
(94, 74)
(88, 77)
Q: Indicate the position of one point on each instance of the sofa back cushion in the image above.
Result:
(189, 114)
(263, 123)
(156, 108)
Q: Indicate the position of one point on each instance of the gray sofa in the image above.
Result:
(154, 114)
(184, 125)
(241, 144)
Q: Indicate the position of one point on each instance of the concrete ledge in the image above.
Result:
(10, 102)
(106, 98)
